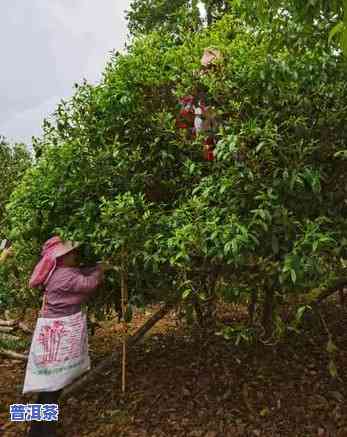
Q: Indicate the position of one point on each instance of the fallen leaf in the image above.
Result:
(264, 412)
(211, 434)
(336, 395)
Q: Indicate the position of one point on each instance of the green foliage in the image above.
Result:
(176, 17)
(14, 161)
(184, 15)
(145, 17)
(328, 14)
(269, 212)
(14, 345)
(238, 334)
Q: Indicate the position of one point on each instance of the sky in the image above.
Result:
(46, 46)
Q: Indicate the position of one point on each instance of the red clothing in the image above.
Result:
(185, 119)
(68, 288)
(208, 152)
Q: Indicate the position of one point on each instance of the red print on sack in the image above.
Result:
(50, 337)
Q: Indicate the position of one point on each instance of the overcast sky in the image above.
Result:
(46, 46)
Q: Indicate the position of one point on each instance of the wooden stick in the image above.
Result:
(123, 333)
(124, 290)
(126, 297)
(9, 325)
(4, 336)
(24, 328)
(6, 328)
(12, 354)
(8, 322)
(124, 364)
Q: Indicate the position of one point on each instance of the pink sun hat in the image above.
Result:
(53, 249)
(210, 56)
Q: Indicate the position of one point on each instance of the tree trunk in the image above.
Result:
(209, 15)
(268, 310)
(195, 9)
(107, 363)
(198, 312)
(339, 284)
(252, 306)
(13, 355)
(206, 310)
(342, 297)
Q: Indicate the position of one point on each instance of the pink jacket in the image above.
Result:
(68, 288)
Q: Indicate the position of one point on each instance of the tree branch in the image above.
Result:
(339, 284)
(107, 363)
(13, 355)
(6, 328)
(8, 322)
(24, 328)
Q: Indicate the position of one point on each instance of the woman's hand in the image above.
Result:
(9, 251)
(6, 253)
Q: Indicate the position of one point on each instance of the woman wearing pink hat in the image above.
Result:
(59, 349)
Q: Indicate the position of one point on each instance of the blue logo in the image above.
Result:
(34, 412)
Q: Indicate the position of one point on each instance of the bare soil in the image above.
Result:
(182, 382)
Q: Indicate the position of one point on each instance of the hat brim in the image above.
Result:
(65, 248)
(211, 56)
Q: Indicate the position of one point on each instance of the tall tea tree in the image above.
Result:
(174, 16)
(14, 159)
(330, 13)
(265, 219)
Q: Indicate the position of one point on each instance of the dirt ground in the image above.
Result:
(182, 383)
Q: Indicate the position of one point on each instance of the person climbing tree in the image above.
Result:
(210, 61)
(195, 116)
(185, 119)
